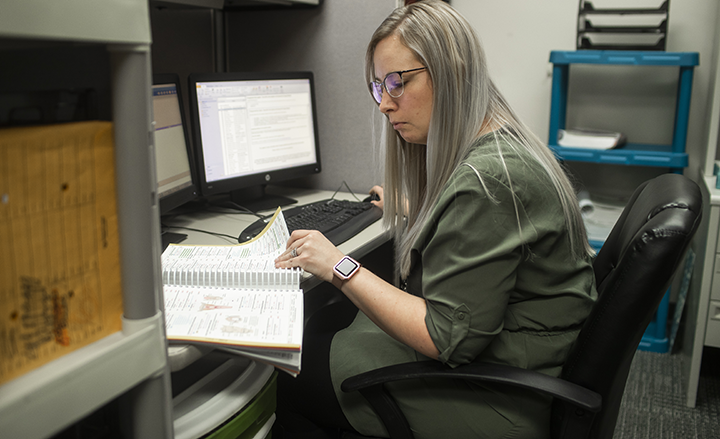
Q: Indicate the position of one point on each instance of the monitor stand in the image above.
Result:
(256, 199)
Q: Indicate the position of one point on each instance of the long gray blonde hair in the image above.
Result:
(465, 103)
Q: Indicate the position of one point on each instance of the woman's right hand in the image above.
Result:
(377, 190)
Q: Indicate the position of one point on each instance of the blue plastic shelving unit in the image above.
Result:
(671, 156)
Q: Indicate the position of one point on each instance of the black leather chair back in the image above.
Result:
(633, 271)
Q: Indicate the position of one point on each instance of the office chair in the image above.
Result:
(633, 270)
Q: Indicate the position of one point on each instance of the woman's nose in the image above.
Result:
(387, 102)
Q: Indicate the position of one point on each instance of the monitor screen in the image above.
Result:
(173, 154)
(251, 130)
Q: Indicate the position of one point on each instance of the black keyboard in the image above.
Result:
(338, 220)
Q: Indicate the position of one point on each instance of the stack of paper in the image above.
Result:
(594, 139)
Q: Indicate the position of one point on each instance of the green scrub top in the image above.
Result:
(495, 268)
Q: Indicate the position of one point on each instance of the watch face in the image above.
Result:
(346, 267)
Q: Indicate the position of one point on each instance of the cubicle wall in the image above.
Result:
(329, 40)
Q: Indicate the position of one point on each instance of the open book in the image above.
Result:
(233, 297)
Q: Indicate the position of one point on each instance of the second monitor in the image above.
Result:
(253, 129)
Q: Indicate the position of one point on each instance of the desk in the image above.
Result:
(361, 245)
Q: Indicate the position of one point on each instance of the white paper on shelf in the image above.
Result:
(593, 139)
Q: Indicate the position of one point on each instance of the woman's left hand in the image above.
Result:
(313, 252)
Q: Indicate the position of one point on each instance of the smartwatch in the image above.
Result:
(346, 268)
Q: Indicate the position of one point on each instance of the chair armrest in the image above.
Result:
(371, 385)
(483, 372)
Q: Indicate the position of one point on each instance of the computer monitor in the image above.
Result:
(251, 130)
(176, 184)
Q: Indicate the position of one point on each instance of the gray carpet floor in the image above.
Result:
(653, 404)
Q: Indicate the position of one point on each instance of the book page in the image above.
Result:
(247, 265)
(253, 318)
(287, 361)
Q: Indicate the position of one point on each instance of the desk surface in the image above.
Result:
(714, 192)
(232, 224)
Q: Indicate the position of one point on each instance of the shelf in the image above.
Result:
(61, 392)
(589, 28)
(129, 366)
(622, 28)
(673, 155)
(125, 21)
(625, 57)
(587, 8)
(188, 4)
(629, 154)
(264, 4)
(232, 4)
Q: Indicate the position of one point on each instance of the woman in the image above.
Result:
(490, 246)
